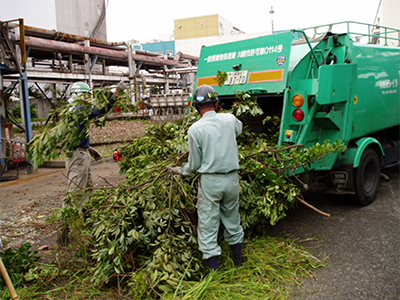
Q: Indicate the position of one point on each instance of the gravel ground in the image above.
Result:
(28, 203)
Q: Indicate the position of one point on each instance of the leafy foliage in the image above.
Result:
(246, 106)
(17, 263)
(144, 231)
(67, 133)
(272, 265)
(221, 77)
(16, 111)
(149, 225)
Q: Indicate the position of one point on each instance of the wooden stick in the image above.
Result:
(313, 207)
(8, 282)
(107, 181)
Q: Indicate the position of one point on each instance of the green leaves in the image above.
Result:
(62, 134)
(149, 226)
(221, 77)
(17, 263)
(145, 230)
(246, 106)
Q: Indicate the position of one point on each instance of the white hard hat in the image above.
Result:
(79, 88)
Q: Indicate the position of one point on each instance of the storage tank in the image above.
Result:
(84, 18)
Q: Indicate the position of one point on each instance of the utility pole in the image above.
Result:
(272, 18)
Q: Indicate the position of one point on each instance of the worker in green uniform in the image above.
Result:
(213, 153)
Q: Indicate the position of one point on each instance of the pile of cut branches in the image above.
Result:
(143, 232)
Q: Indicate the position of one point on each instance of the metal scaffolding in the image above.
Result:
(43, 56)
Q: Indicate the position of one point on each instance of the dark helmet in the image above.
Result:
(205, 94)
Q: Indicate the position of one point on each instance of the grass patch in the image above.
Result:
(272, 267)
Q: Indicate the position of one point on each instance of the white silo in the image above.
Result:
(79, 17)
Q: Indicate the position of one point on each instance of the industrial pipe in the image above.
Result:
(50, 45)
(62, 35)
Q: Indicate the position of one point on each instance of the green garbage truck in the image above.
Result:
(334, 86)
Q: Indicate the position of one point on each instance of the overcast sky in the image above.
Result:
(146, 20)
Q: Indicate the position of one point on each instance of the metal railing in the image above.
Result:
(360, 32)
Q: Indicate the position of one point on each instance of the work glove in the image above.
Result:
(173, 169)
(120, 87)
(95, 154)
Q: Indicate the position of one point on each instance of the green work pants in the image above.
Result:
(218, 201)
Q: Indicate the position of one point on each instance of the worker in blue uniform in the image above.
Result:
(213, 153)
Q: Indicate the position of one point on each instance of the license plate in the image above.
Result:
(238, 77)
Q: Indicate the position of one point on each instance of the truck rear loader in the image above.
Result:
(338, 86)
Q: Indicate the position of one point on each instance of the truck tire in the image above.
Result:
(367, 178)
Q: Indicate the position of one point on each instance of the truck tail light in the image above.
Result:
(298, 113)
(298, 100)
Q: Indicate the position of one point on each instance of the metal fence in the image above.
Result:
(13, 154)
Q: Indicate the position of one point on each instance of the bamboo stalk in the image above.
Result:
(8, 282)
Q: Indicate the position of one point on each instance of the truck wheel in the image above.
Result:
(367, 178)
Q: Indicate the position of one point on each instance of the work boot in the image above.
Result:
(237, 254)
(213, 263)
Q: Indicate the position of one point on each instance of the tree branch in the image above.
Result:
(313, 207)
(277, 150)
(148, 181)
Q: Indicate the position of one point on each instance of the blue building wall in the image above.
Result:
(295, 35)
(160, 47)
